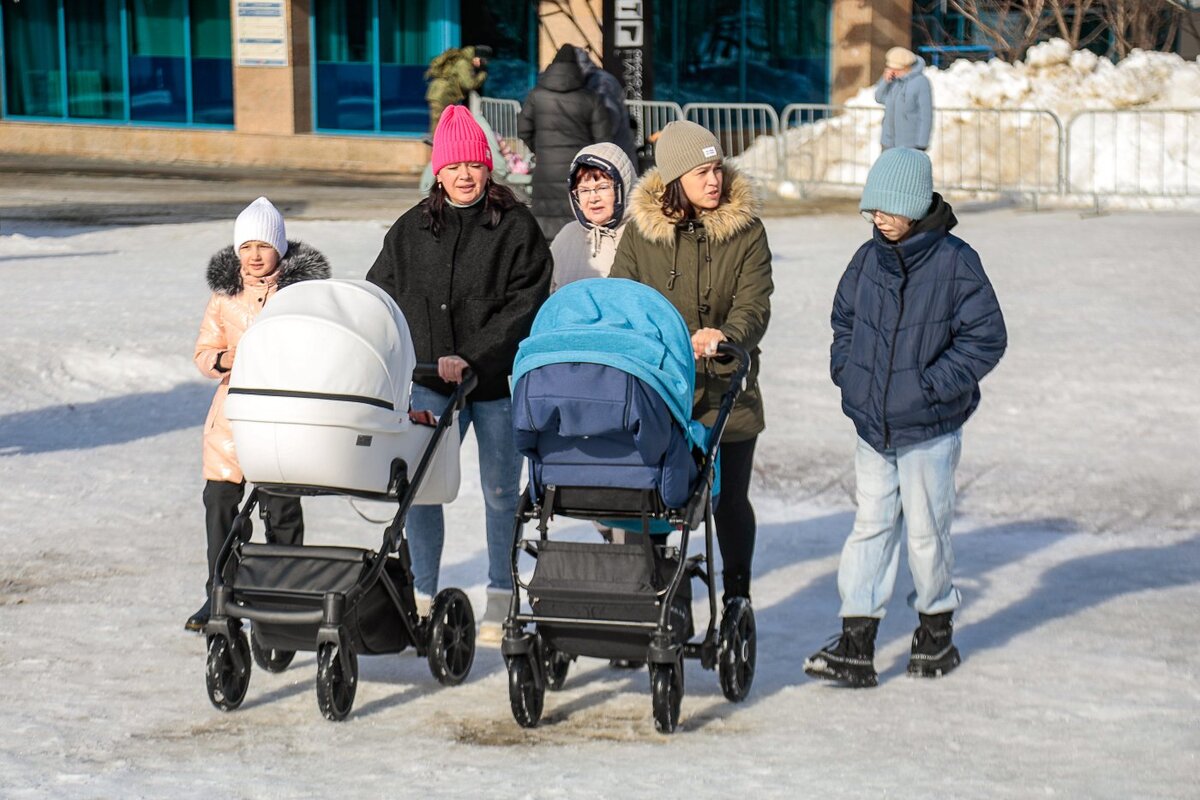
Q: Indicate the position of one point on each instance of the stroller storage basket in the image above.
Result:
(595, 583)
(281, 577)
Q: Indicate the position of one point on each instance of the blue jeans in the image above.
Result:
(911, 486)
(500, 476)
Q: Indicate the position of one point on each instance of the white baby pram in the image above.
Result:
(318, 402)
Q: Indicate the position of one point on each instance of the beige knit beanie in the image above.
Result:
(682, 146)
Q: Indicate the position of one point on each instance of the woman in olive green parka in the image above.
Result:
(697, 239)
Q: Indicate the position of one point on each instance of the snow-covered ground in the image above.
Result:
(1078, 552)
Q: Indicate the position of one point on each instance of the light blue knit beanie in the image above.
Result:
(900, 182)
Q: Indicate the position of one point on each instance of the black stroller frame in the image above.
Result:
(535, 664)
(335, 621)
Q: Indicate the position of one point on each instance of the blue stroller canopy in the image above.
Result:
(623, 324)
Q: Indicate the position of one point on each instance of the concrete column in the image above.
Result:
(863, 30)
(574, 22)
(276, 100)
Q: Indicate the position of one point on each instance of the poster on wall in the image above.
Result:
(261, 33)
(629, 46)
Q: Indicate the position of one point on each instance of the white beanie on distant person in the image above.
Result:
(260, 222)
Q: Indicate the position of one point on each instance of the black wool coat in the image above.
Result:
(559, 118)
(472, 291)
(916, 326)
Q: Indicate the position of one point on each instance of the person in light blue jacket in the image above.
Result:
(907, 100)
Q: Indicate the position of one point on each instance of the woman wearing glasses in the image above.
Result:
(697, 239)
(600, 178)
(916, 326)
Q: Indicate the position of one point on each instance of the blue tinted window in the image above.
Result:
(157, 60)
(212, 62)
(167, 54)
(345, 46)
(32, 64)
(95, 76)
(742, 51)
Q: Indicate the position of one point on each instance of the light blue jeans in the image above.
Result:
(911, 487)
(500, 476)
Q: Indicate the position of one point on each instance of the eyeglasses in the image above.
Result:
(599, 190)
(869, 216)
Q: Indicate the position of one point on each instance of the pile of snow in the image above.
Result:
(992, 131)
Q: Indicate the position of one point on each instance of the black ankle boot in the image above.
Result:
(737, 584)
(933, 652)
(848, 658)
(197, 621)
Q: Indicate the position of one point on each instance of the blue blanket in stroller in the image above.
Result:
(603, 392)
(622, 324)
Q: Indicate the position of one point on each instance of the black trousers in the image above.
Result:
(734, 517)
(282, 517)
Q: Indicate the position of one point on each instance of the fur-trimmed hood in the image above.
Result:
(722, 223)
(302, 263)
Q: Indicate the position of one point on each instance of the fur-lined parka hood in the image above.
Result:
(722, 223)
(302, 263)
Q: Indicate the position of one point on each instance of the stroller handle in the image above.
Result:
(469, 381)
(736, 351)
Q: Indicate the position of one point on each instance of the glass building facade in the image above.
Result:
(170, 62)
(742, 51)
(166, 62)
(370, 57)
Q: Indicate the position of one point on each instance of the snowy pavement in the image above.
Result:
(1078, 549)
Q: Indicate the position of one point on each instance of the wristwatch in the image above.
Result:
(217, 364)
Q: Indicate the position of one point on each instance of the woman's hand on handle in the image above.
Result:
(451, 368)
(705, 341)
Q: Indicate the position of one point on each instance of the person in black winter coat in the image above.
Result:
(560, 117)
(469, 268)
(916, 326)
(610, 91)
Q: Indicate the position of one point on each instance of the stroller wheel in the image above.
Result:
(666, 686)
(226, 685)
(524, 695)
(451, 637)
(270, 659)
(335, 688)
(555, 666)
(737, 649)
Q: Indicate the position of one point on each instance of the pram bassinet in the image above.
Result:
(319, 395)
(603, 390)
(318, 402)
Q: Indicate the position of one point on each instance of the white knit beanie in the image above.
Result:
(260, 222)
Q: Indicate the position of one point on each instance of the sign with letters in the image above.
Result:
(261, 33)
(629, 46)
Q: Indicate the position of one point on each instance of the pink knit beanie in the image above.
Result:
(459, 138)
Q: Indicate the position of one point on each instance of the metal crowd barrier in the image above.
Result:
(652, 116)
(1146, 153)
(1149, 153)
(984, 150)
(502, 116)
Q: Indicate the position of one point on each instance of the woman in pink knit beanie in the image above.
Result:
(469, 267)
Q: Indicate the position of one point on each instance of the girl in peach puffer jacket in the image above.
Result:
(242, 278)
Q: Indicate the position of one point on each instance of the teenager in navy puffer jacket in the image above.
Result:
(916, 325)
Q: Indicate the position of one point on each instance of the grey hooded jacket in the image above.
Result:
(582, 249)
(907, 109)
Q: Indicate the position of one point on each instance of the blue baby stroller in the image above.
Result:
(602, 399)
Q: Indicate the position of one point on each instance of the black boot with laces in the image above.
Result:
(849, 658)
(933, 652)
